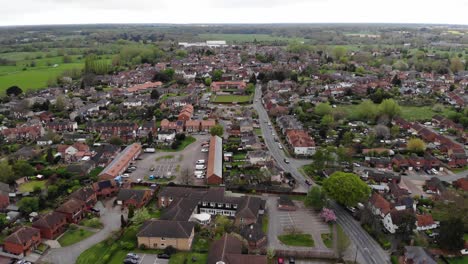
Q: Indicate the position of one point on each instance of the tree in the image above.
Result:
(141, 215)
(60, 103)
(117, 141)
(253, 79)
(123, 223)
(390, 108)
(416, 145)
(323, 109)
(217, 75)
(23, 168)
(339, 52)
(407, 225)
(14, 90)
(6, 173)
(456, 65)
(346, 188)
(451, 234)
(367, 110)
(328, 215)
(155, 94)
(185, 177)
(342, 241)
(327, 121)
(223, 225)
(29, 204)
(150, 139)
(208, 81)
(315, 198)
(381, 131)
(50, 156)
(217, 130)
(131, 211)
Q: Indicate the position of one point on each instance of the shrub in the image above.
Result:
(170, 250)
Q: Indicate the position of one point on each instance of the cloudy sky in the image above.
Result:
(35, 12)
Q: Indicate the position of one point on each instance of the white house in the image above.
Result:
(166, 136)
(425, 222)
(44, 142)
(132, 103)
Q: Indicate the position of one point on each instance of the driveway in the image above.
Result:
(303, 219)
(110, 217)
(174, 165)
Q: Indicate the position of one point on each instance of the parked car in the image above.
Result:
(280, 146)
(130, 261)
(286, 161)
(139, 180)
(280, 261)
(292, 260)
(204, 150)
(200, 162)
(132, 255)
(164, 256)
(151, 169)
(125, 175)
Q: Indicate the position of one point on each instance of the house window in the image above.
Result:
(228, 205)
(235, 206)
(220, 205)
(162, 238)
(163, 245)
(204, 203)
(212, 204)
(242, 220)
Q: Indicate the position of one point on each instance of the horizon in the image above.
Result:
(88, 12)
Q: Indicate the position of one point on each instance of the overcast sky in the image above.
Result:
(36, 12)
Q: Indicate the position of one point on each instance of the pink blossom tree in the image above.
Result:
(328, 215)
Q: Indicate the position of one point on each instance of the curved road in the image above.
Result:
(369, 249)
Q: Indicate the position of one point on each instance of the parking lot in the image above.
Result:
(303, 219)
(169, 164)
(151, 259)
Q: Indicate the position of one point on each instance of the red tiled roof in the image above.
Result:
(379, 202)
(424, 220)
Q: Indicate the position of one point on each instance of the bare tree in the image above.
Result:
(185, 177)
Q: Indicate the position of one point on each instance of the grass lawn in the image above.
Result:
(231, 99)
(298, 197)
(458, 260)
(239, 156)
(186, 257)
(29, 186)
(327, 240)
(298, 240)
(93, 223)
(163, 180)
(187, 141)
(258, 131)
(240, 38)
(140, 187)
(457, 170)
(265, 224)
(71, 237)
(200, 244)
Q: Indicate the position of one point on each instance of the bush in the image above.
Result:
(142, 246)
(170, 250)
(73, 227)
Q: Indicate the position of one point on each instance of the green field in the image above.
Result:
(410, 113)
(239, 38)
(231, 99)
(33, 78)
(71, 237)
(297, 240)
(29, 186)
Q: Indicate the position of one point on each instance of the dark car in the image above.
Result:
(286, 161)
(308, 182)
(130, 261)
(164, 256)
(95, 210)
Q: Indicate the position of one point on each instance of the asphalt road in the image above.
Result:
(369, 249)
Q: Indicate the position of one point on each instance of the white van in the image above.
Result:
(200, 167)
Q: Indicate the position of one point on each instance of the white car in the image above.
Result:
(280, 146)
(200, 167)
(125, 175)
(435, 171)
(200, 162)
(139, 180)
(273, 134)
(204, 150)
(464, 251)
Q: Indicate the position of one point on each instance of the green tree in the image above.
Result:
(416, 145)
(117, 141)
(14, 90)
(23, 168)
(367, 111)
(217, 75)
(315, 198)
(131, 212)
(208, 81)
(217, 130)
(323, 109)
(339, 52)
(29, 204)
(451, 234)
(456, 65)
(390, 108)
(7, 174)
(155, 94)
(346, 188)
(141, 215)
(327, 121)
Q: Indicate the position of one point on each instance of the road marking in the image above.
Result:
(141, 260)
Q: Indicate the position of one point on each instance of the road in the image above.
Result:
(369, 249)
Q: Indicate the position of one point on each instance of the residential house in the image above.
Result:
(379, 206)
(75, 152)
(62, 126)
(166, 136)
(136, 198)
(254, 236)
(286, 204)
(51, 225)
(393, 220)
(228, 85)
(73, 209)
(301, 142)
(87, 195)
(105, 188)
(258, 157)
(206, 125)
(81, 168)
(249, 210)
(159, 234)
(435, 186)
(246, 126)
(186, 113)
(22, 241)
(192, 126)
(425, 222)
(228, 250)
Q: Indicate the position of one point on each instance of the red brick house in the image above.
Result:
(51, 225)
(461, 184)
(400, 162)
(137, 198)
(217, 86)
(87, 195)
(73, 209)
(22, 241)
(186, 113)
(206, 125)
(105, 188)
(192, 125)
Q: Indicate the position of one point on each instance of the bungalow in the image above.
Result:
(228, 85)
(461, 184)
(22, 241)
(73, 209)
(425, 222)
(51, 225)
(381, 176)
(258, 157)
(159, 234)
(435, 186)
(286, 204)
(136, 198)
(228, 249)
(249, 210)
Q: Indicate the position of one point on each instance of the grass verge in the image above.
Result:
(297, 240)
(72, 236)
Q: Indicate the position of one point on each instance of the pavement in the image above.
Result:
(151, 259)
(303, 219)
(110, 217)
(369, 250)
